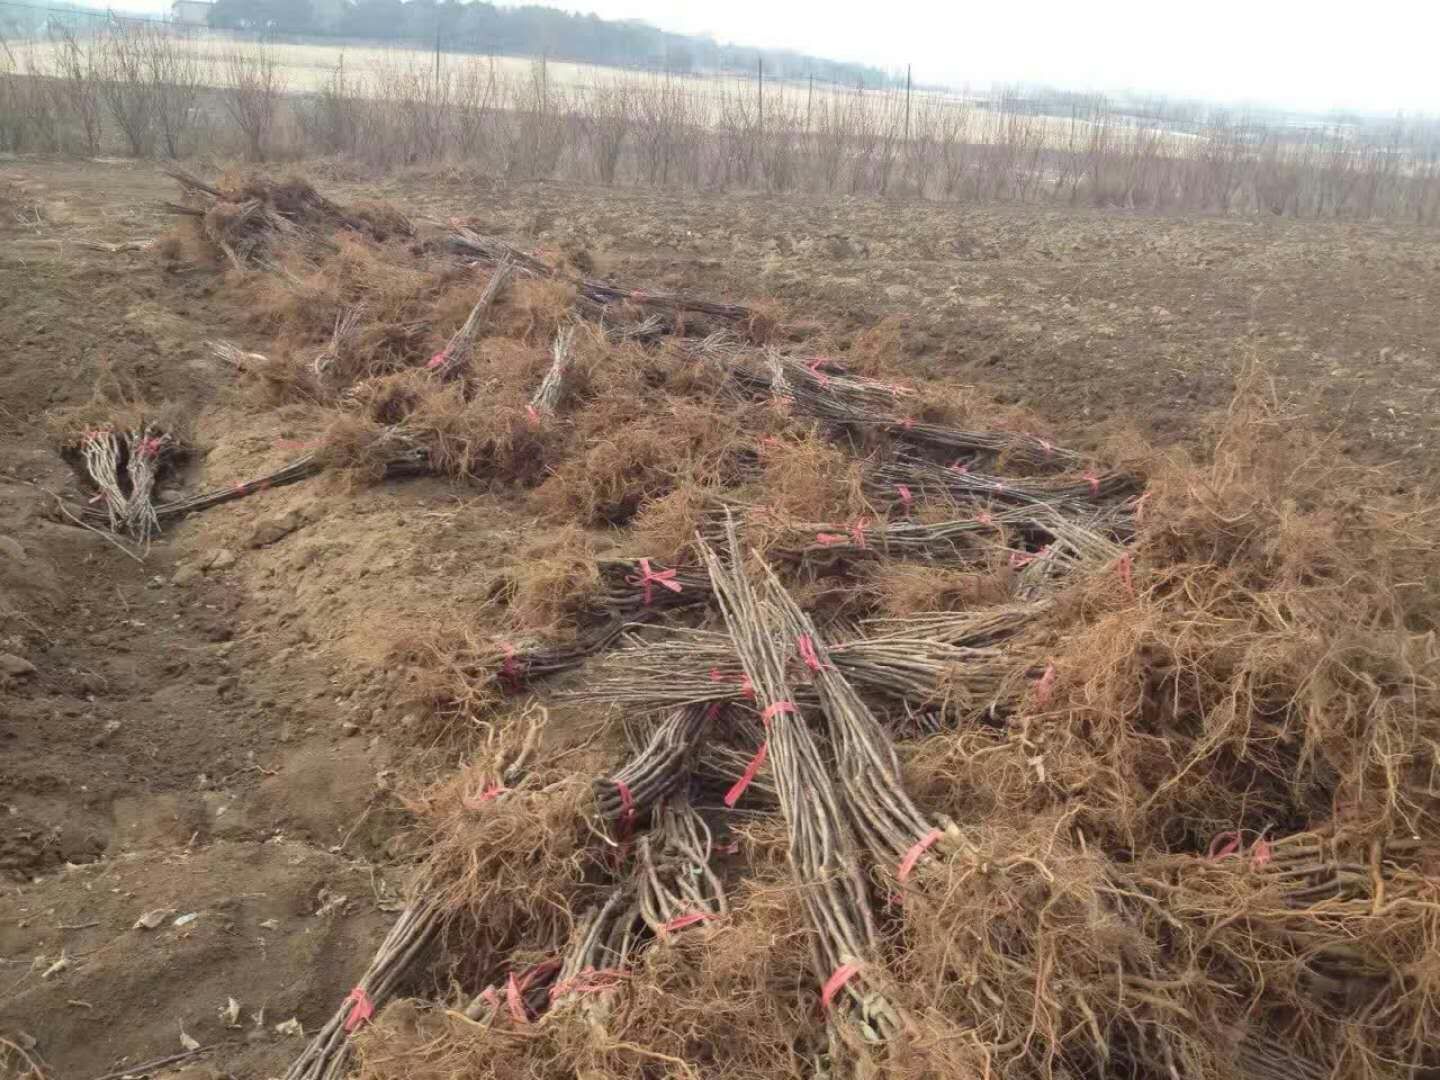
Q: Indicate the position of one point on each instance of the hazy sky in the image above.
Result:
(1377, 54)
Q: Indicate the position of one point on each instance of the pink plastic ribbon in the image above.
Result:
(361, 1009)
(806, 644)
(833, 985)
(1045, 686)
(912, 856)
(733, 795)
(685, 920)
(475, 802)
(627, 802)
(857, 533)
(747, 688)
(649, 578)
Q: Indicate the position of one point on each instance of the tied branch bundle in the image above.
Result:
(821, 854)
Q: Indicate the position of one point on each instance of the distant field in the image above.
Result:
(377, 72)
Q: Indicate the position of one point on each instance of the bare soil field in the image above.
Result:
(229, 732)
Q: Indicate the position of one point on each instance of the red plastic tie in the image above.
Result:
(538, 972)
(776, 709)
(906, 499)
(733, 795)
(857, 533)
(438, 360)
(1045, 686)
(912, 856)
(908, 423)
(533, 414)
(474, 802)
(756, 763)
(829, 539)
(510, 669)
(747, 688)
(513, 1000)
(814, 368)
(1140, 508)
(1227, 843)
(1261, 853)
(589, 981)
(1094, 482)
(806, 644)
(683, 921)
(960, 466)
(999, 486)
(843, 974)
(638, 296)
(984, 518)
(627, 801)
(713, 712)
(361, 1009)
(1021, 559)
(648, 579)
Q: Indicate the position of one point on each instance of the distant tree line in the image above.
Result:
(528, 31)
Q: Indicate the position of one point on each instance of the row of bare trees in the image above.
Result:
(150, 92)
(147, 93)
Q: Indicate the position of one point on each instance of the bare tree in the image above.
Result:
(605, 124)
(176, 81)
(126, 87)
(78, 73)
(251, 95)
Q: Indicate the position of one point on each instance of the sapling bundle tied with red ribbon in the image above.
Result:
(891, 827)
(995, 450)
(123, 462)
(679, 888)
(660, 768)
(1086, 496)
(678, 666)
(638, 587)
(823, 856)
(552, 388)
(342, 339)
(328, 1055)
(814, 386)
(451, 361)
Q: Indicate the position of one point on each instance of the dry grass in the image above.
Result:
(507, 856)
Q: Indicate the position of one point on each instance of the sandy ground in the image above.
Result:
(215, 732)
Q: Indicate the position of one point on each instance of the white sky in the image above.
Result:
(1317, 54)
